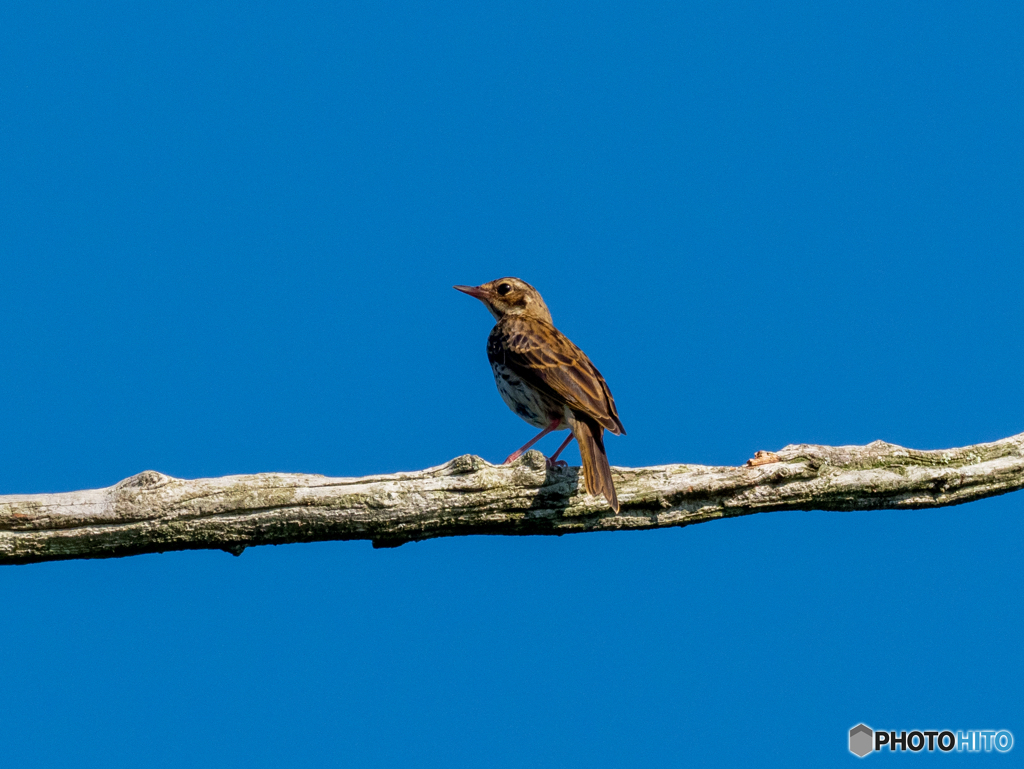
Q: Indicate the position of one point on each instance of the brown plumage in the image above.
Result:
(547, 380)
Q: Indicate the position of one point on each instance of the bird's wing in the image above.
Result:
(544, 357)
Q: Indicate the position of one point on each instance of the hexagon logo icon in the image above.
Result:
(861, 739)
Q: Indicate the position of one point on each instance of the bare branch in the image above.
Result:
(151, 512)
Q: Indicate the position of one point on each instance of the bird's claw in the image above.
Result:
(553, 463)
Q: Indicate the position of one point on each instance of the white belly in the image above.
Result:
(531, 405)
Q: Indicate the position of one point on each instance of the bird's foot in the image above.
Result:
(512, 458)
(552, 463)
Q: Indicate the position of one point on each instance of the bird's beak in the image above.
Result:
(476, 291)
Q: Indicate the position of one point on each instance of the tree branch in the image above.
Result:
(151, 512)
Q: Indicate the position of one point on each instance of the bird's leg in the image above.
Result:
(553, 426)
(553, 460)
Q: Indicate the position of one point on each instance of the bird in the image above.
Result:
(547, 380)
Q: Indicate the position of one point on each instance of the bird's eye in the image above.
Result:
(504, 288)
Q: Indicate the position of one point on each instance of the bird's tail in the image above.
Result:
(597, 474)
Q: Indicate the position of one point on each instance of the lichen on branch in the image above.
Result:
(152, 512)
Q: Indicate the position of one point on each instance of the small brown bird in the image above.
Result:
(547, 380)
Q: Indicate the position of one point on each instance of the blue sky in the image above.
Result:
(228, 234)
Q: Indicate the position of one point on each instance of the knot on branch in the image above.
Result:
(147, 479)
(467, 463)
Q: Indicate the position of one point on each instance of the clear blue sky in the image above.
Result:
(228, 235)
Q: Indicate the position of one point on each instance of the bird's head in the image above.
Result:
(509, 296)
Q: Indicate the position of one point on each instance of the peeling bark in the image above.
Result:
(152, 513)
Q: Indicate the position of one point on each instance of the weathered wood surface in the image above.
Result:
(151, 512)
